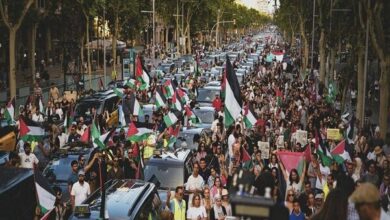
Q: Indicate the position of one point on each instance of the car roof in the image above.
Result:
(122, 198)
(210, 88)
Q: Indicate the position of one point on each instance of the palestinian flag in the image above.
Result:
(184, 99)
(85, 137)
(168, 89)
(119, 92)
(322, 150)
(246, 159)
(249, 118)
(339, 154)
(174, 133)
(160, 98)
(279, 96)
(10, 112)
(95, 133)
(292, 160)
(141, 135)
(142, 75)
(131, 83)
(170, 119)
(176, 104)
(45, 194)
(135, 107)
(232, 100)
(29, 131)
(191, 115)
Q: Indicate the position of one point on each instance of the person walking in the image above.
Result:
(80, 190)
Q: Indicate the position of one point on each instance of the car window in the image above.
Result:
(85, 106)
(207, 95)
(110, 104)
(168, 176)
(206, 117)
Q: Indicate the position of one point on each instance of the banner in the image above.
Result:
(292, 160)
(301, 137)
(264, 147)
(333, 134)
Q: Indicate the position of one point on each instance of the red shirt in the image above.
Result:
(217, 104)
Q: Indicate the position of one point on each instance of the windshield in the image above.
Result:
(188, 138)
(206, 95)
(60, 168)
(83, 107)
(206, 117)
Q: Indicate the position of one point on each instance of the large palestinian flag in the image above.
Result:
(160, 98)
(142, 75)
(46, 197)
(30, 131)
(249, 117)
(232, 100)
(135, 107)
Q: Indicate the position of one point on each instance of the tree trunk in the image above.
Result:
(189, 45)
(322, 55)
(360, 81)
(114, 41)
(384, 96)
(292, 39)
(166, 37)
(305, 58)
(89, 69)
(332, 62)
(32, 49)
(48, 44)
(12, 62)
(82, 55)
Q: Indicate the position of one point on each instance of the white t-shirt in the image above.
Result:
(37, 118)
(80, 192)
(194, 183)
(28, 161)
(195, 212)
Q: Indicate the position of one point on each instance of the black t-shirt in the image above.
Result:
(205, 174)
(129, 172)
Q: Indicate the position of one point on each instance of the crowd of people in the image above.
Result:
(284, 101)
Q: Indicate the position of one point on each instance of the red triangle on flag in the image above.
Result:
(245, 155)
(132, 130)
(260, 122)
(339, 149)
(85, 137)
(139, 70)
(174, 131)
(23, 128)
(188, 111)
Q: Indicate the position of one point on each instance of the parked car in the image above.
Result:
(207, 94)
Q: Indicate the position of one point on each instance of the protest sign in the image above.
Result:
(280, 142)
(333, 134)
(264, 147)
(301, 137)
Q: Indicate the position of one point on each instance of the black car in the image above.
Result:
(125, 199)
(101, 101)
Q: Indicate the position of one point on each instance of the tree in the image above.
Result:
(379, 28)
(88, 8)
(12, 14)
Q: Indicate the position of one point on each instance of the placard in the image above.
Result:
(280, 142)
(301, 137)
(264, 147)
(333, 134)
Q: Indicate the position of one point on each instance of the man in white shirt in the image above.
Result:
(194, 183)
(37, 117)
(80, 190)
(27, 159)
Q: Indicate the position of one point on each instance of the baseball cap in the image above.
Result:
(81, 172)
(365, 193)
